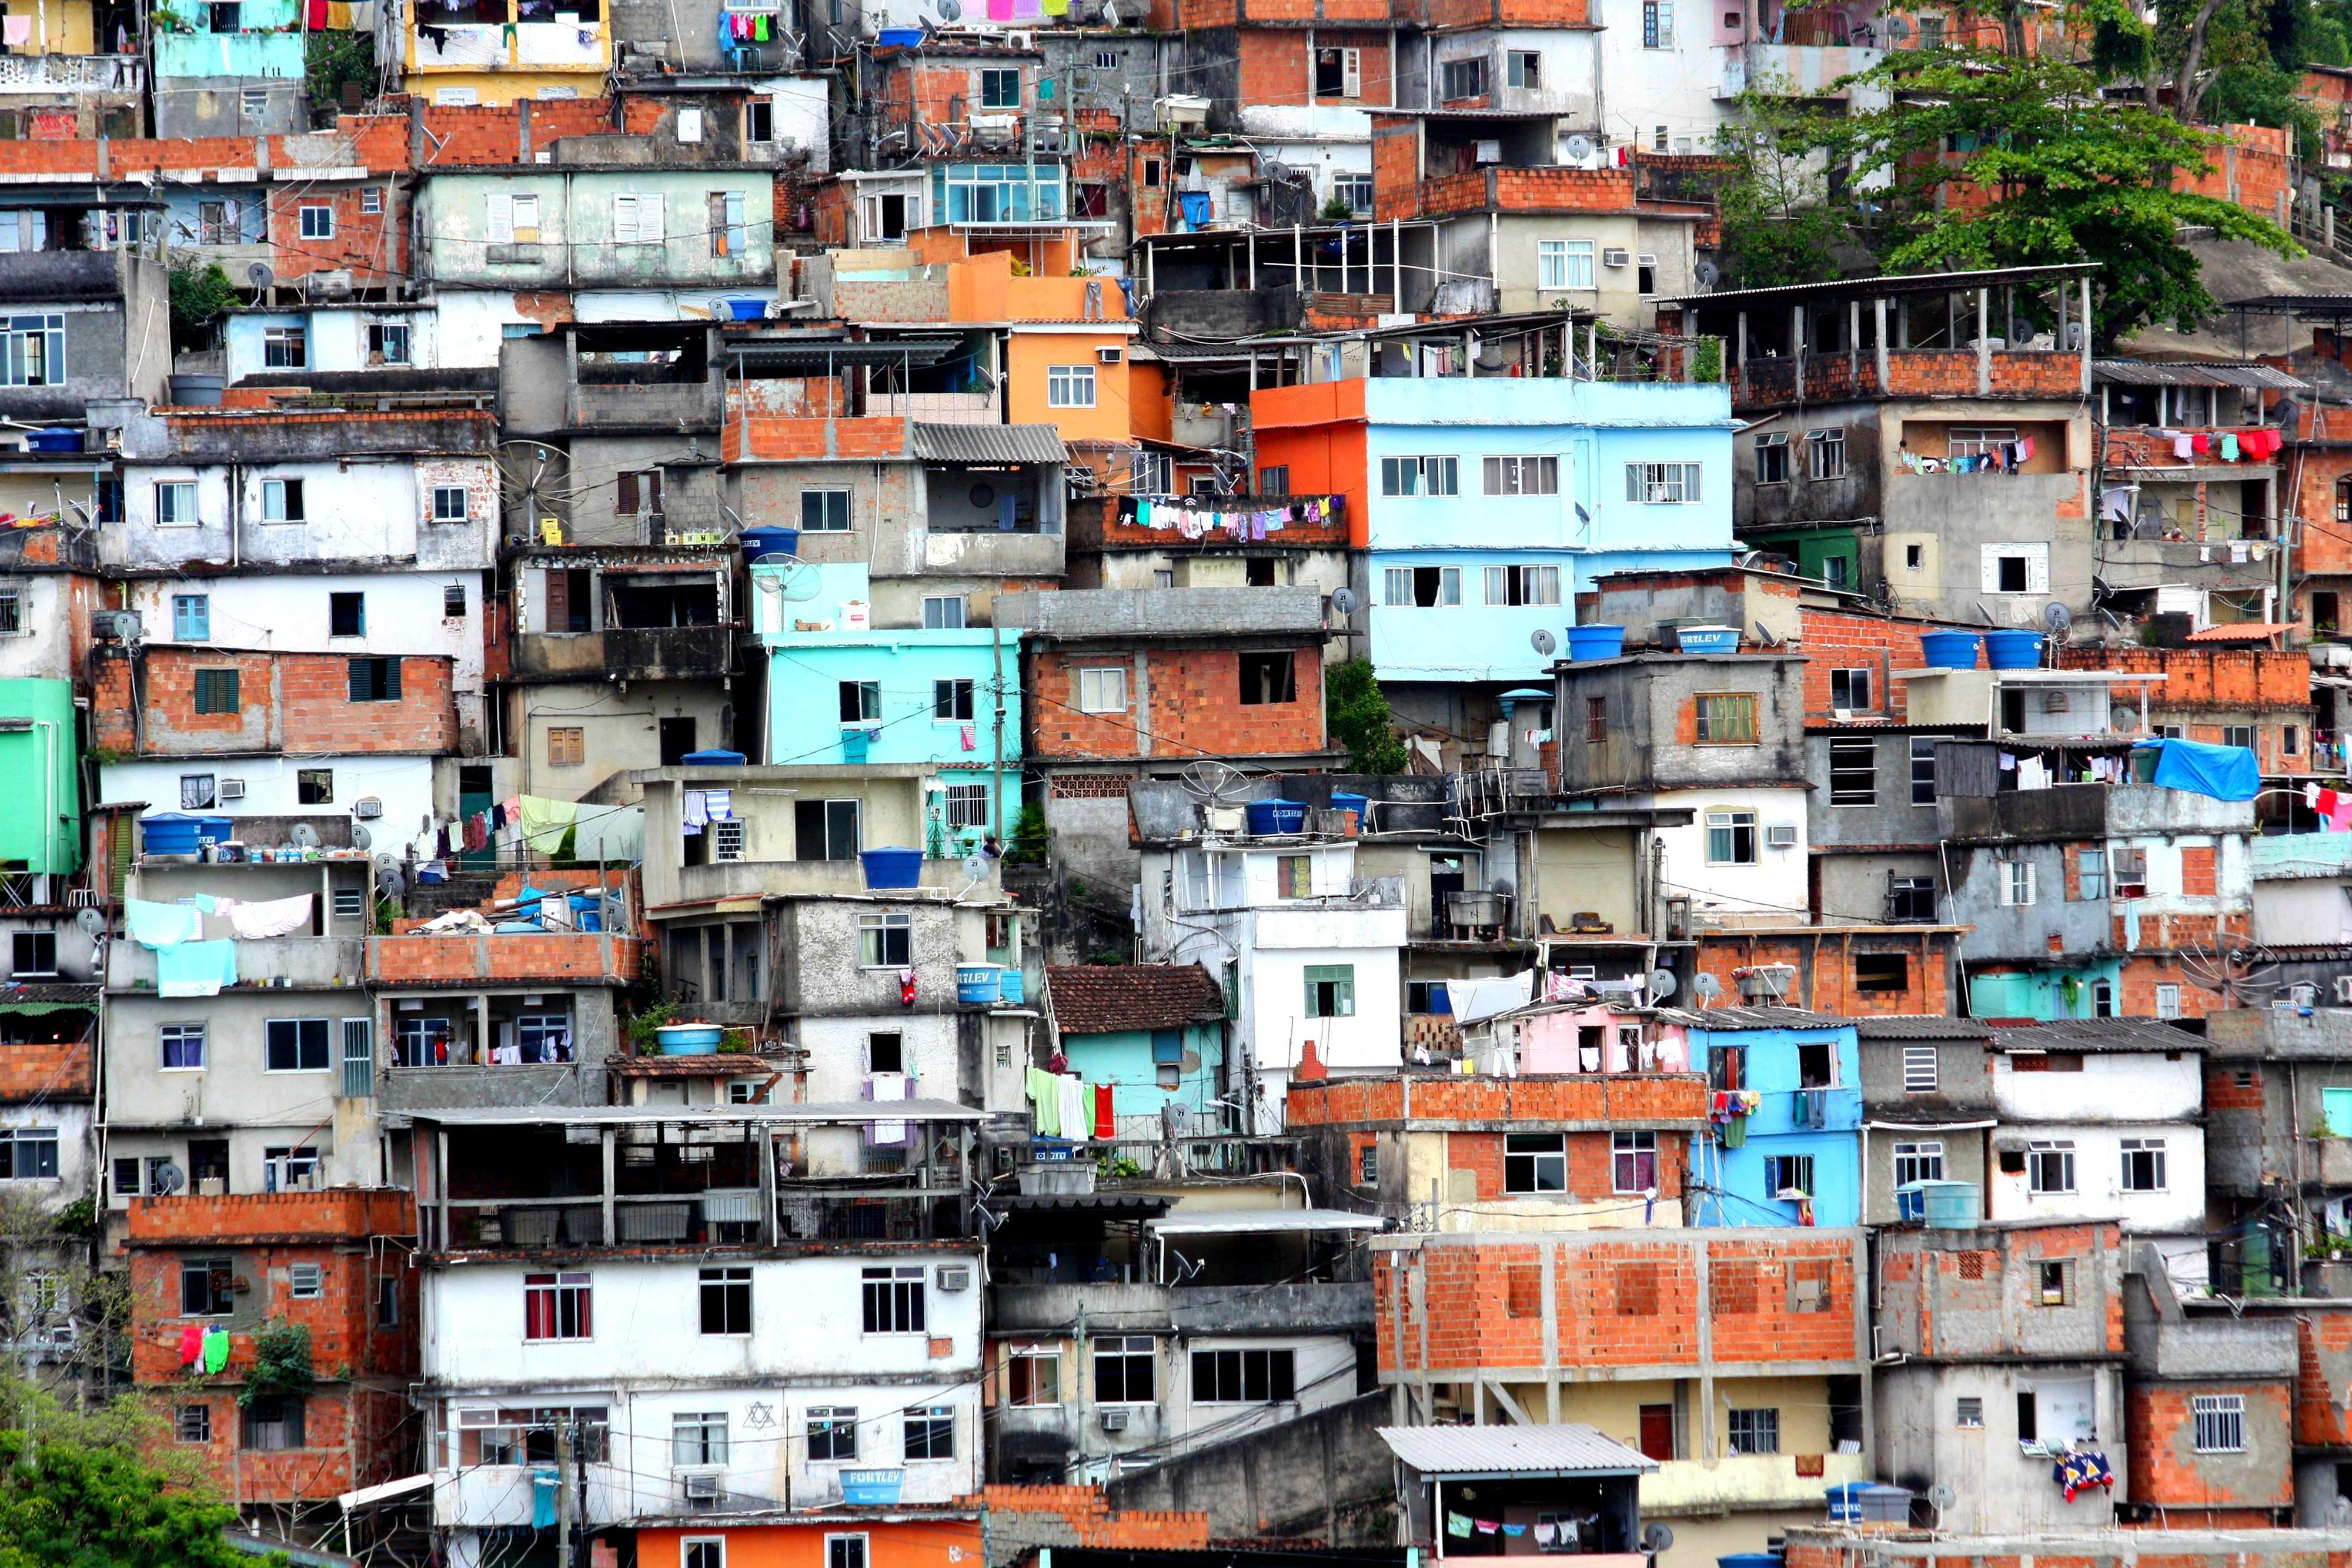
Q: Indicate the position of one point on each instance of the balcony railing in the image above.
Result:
(72, 73)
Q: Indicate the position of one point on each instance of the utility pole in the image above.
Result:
(563, 1435)
(996, 781)
(580, 1454)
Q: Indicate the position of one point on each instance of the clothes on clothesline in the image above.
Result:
(161, 925)
(196, 969)
(274, 917)
(1197, 516)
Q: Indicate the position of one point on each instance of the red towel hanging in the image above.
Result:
(1106, 1122)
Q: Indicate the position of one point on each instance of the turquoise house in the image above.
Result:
(232, 68)
(2084, 991)
(1154, 1032)
(40, 756)
(1796, 1157)
(841, 690)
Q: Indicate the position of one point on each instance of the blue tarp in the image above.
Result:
(2223, 772)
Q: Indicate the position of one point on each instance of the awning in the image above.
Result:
(1473, 1453)
(384, 1491)
(990, 443)
(1262, 1222)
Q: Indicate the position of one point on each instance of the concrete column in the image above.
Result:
(2086, 336)
(605, 1139)
(1797, 346)
(1549, 1254)
(1984, 344)
(1878, 348)
(1707, 1347)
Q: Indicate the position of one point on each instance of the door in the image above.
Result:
(676, 740)
(1658, 1431)
(473, 800)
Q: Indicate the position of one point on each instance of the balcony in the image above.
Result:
(629, 653)
(1683, 1487)
(2084, 812)
(993, 555)
(512, 957)
(492, 45)
(295, 963)
(800, 879)
(618, 401)
(2143, 562)
(49, 75)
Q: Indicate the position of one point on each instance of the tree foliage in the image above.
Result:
(200, 292)
(1356, 711)
(1779, 226)
(331, 59)
(79, 1490)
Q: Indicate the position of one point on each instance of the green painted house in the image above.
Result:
(40, 757)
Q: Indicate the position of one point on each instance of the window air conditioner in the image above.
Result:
(701, 1490)
(955, 1277)
(1110, 356)
(231, 789)
(367, 808)
(1614, 257)
(1780, 835)
(2344, 990)
(1114, 1420)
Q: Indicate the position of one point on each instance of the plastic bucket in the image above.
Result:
(2013, 650)
(1277, 817)
(980, 982)
(893, 867)
(1707, 639)
(1595, 641)
(1950, 650)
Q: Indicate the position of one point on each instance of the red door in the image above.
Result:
(1658, 1431)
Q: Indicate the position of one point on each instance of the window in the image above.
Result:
(1850, 689)
(951, 701)
(567, 746)
(996, 192)
(760, 120)
(1356, 190)
(453, 601)
(1463, 79)
(1535, 1162)
(451, 503)
(286, 1168)
(1788, 1177)
(2144, 1165)
(1724, 719)
(930, 1432)
(1753, 1431)
(193, 1424)
(1922, 770)
(894, 1299)
(966, 805)
(884, 941)
(1920, 1074)
(1367, 1164)
(387, 1303)
(1268, 679)
(295, 1045)
(2220, 1422)
(196, 791)
(1103, 690)
(1000, 88)
(697, 1438)
(305, 1282)
(826, 830)
(1421, 477)
(271, 1424)
(2090, 875)
(2291, 740)
(33, 952)
(636, 220)
(943, 613)
(175, 504)
(1033, 1377)
(1918, 1162)
(1523, 68)
(1522, 476)
(285, 347)
(2050, 1167)
(1826, 451)
(347, 616)
(1294, 876)
(1596, 720)
(375, 680)
(192, 618)
(2014, 568)
(281, 501)
(1772, 458)
(833, 1432)
(555, 1306)
(2238, 735)
(1564, 264)
(1633, 1162)
(729, 235)
(1854, 769)
(207, 1287)
(1731, 838)
(182, 1046)
(1663, 484)
(845, 1551)
(318, 221)
(1882, 972)
(727, 1300)
(1123, 1369)
(215, 691)
(1339, 73)
(1069, 386)
(1424, 587)
(1330, 991)
(28, 1153)
(1522, 585)
(314, 786)
(1911, 898)
(1244, 1376)
(861, 702)
(2054, 1282)
(12, 615)
(2167, 1001)
(2016, 887)
(702, 1552)
(824, 511)
(32, 352)
(1968, 1411)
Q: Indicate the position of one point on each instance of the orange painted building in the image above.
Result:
(1318, 431)
(889, 1538)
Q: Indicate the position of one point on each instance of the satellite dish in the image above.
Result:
(361, 838)
(1707, 274)
(1706, 988)
(1177, 1118)
(950, 10)
(1543, 641)
(1942, 1495)
(167, 1177)
(975, 866)
(259, 274)
(390, 882)
(2057, 617)
(1579, 147)
(304, 835)
(1656, 1538)
(1344, 601)
(386, 860)
(1662, 984)
(91, 921)
(1898, 28)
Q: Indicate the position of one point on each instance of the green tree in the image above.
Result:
(330, 61)
(1029, 839)
(1356, 711)
(1779, 226)
(200, 292)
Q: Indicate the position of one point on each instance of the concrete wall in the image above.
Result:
(1921, 1442)
(1325, 1474)
(576, 246)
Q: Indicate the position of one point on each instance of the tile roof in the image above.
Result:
(1106, 999)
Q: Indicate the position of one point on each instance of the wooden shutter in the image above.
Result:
(559, 598)
(624, 494)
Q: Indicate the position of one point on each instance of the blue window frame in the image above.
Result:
(192, 618)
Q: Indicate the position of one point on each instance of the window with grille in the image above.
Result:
(1724, 719)
(2220, 1422)
(1535, 1162)
(1663, 484)
(967, 806)
(726, 839)
(893, 1300)
(1755, 1431)
(1853, 771)
(1596, 720)
(1244, 1376)
(1968, 1411)
(193, 1424)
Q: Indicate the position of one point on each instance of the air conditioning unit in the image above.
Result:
(955, 1276)
(1114, 1420)
(2344, 990)
(1780, 835)
(1615, 258)
(367, 808)
(230, 789)
(701, 1490)
(1109, 355)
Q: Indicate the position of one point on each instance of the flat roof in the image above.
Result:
(1892, 283)
(1262, 1222)
(623, 1115)
(1565, 1448)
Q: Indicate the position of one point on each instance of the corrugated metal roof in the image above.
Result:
(1889, 285)
(2243, 374)
(1920, 1026)
(1569, 1447)
(2095, 1034)
(990, 443)
(1087, 1202)
(1723, 1018)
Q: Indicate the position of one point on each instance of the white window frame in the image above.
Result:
(1102, 688)
(274, 495)
(175, 504)
(316, 220)
(2037, 567)
(2016, 883)
(1070, 386)
(2057, 1152)
(639, 219)
(1825, 452)
(305, 1282)
(1921, 1157)
(2153, 1153)
(1565, 264)
(1423, 476)
(1731, 822)
(442, 502)
(702, 1552)
(1522, 475)
(1664, 483)
(2168, 1000)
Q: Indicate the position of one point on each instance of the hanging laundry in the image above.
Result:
(2183, 446)
(543, 821)
(275, 917)
(2024, 449)
(216, 1348)
(192, 1345)
(196, 969)
(160, 925)
(718, 805)
(970, 737)
(1077, 1113)
(2228, 446)
(1105, 1121)
(1043, 1092)
(906, 988)
(693, 815)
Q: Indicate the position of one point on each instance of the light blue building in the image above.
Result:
(231, 70)
(1796, 1158)
(841, 690)
(1485, 505)
(1154, 1032)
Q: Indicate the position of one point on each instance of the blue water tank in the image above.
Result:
(893, 867)
(2013, 650)
(1595, 641)
(1277, 817)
